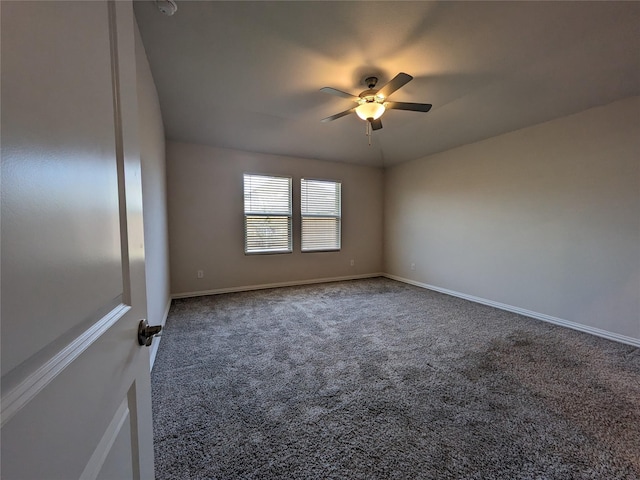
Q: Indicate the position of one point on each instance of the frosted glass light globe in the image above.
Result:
(370, 110)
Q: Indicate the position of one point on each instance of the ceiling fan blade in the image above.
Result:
(414, 107)
(338, 115)
(376, 124)
(396, 82)
(339, 93)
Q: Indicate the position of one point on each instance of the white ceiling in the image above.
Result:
(246, 75)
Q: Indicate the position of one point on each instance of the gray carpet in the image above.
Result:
(375, 379)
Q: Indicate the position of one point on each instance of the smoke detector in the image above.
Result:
(166, 7)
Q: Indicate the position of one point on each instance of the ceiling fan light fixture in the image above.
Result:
(372, 103)
(370, 110)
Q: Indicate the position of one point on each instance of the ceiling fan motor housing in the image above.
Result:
(370, 95)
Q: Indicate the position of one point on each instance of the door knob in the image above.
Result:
(147, 332)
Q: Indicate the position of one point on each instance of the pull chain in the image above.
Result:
(368, 131)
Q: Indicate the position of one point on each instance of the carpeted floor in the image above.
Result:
(376, 379)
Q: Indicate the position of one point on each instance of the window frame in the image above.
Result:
(337, 216)
(288, 216)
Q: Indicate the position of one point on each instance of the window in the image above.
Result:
(321, 216)
(267, 214)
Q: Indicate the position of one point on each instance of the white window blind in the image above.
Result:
(321, 215)
(267, 214)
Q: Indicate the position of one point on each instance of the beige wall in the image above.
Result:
(546, 219)
(154, 195)
(206, 232)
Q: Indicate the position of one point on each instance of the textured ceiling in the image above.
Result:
(246, 75)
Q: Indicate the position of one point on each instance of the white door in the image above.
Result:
(75, 382)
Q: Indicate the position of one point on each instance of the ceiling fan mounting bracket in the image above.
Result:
(371, 82)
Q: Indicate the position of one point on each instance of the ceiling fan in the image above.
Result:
(373, 102)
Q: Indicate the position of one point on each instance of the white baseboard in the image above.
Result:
(264, 286)
(527, 313)
(156, 341)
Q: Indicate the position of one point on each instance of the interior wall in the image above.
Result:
(546, 219)
(154, 190)
(206, 222)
